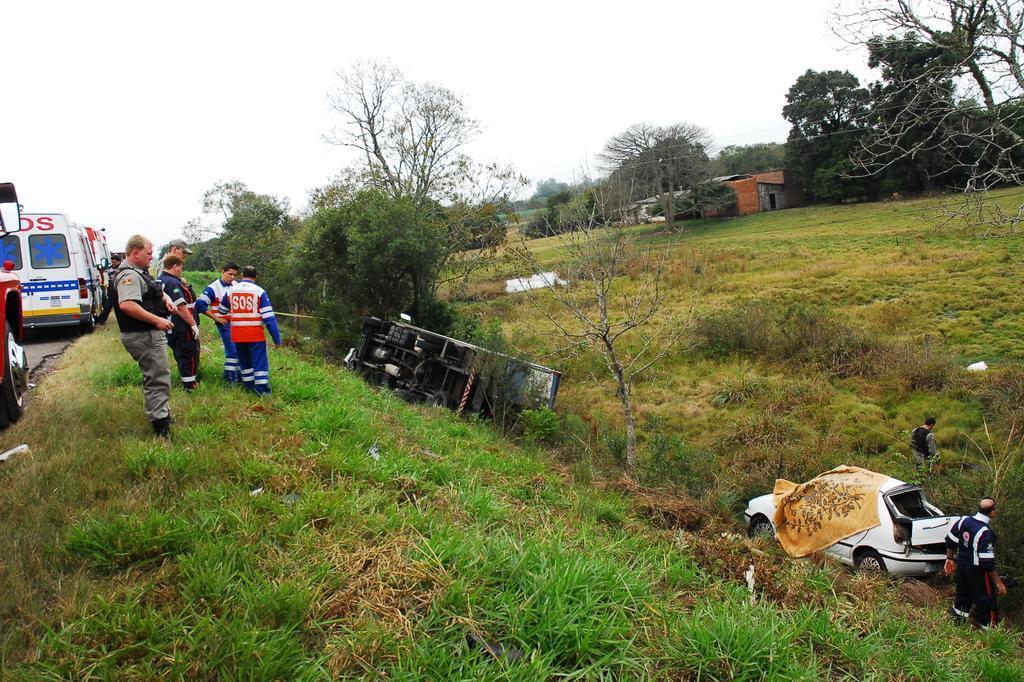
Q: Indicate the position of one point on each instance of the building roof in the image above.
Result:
(775, 177)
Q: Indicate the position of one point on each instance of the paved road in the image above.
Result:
(46, 342)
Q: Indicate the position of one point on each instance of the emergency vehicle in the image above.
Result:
(60, 279)
(100, 257)
(14, 367)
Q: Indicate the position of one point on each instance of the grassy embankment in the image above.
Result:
(818, 335)
(128, 558)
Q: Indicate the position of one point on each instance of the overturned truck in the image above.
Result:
(422, 366)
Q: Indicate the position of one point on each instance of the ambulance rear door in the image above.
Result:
(88, 269)
(51, 286)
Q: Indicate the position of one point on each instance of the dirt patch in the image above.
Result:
(383, 584)
(921, 593)
(663, 509)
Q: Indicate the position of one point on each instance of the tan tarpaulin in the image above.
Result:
(817, 514)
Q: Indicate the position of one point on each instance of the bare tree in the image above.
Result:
(651, 160)
(477, 222)
(411, 138)
(614, 305)
(963, 101)
(410, 135)
(220, 197)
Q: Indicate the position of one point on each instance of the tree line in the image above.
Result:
(414, 217)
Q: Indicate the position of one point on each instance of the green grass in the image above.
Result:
(264, 543)
(918, 304)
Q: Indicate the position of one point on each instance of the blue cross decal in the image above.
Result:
(9, 250)
(52, 250)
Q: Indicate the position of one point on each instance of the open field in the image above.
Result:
(937, 301)
(125, 558)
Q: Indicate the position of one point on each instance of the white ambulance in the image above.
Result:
(59, 277)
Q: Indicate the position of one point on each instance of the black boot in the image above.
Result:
(162, 427)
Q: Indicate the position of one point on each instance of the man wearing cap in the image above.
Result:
(179, 248)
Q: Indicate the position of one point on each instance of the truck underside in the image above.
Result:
(422, 366)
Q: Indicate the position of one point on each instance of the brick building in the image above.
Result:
(757, 192)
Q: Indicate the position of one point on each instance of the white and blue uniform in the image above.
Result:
(211, 298)
(975, 547)
(248, 307)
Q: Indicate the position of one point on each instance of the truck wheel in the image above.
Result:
(870, 561)
(88, 324)
(439, 399)
(15, 382)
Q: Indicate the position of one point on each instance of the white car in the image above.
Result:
(909, 541)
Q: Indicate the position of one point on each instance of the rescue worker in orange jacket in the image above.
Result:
(248, 309)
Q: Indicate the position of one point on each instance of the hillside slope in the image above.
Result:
(266, 541)
(814, 336)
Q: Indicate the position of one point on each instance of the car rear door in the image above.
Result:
(931, 531)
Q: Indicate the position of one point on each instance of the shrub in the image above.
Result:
(913, 366)
(541, 426)
(738, 389)
(615, 445)
(666, 458)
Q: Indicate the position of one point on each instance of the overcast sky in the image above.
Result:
(122, 114)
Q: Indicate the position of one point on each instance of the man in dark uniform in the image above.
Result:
(141, 309)
(184, 337)
(108, 302)
(179, 248)
(978, 585)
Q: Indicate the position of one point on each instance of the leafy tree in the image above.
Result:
(953, 91)
(828, 111)
(915, 98)
(373, 255)
(545, 189)
(749, 158)
(257, 230)
(546, 222)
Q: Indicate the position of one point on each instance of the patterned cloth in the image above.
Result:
(817, 514)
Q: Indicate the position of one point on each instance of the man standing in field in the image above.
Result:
(922, 442)
(207, 304)
(184, 337)
(141, 309)
(248, 307)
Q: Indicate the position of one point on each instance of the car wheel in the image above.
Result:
(760, 527)
(15, 382)
(870, 561)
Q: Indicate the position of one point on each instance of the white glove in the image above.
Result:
(195, 331)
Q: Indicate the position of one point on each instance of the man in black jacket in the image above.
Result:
(922, 442)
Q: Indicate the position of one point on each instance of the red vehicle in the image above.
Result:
(14, 367)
